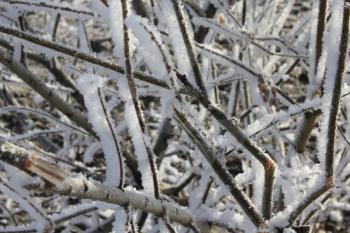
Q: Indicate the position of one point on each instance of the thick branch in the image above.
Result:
(65, 184)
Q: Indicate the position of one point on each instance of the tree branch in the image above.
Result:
(332, 121)
(79, 186)
(48, 94)
(220, 170)
(188, 41)
(81, 55)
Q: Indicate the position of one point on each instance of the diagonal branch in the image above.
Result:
(220, 170)
(81, 55)
(250, 145)
(190, 48)
(47, 93)
(52, 68)
(220, 116)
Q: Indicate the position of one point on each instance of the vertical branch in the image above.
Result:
(307, 126)
(216, 93)
(133, 91)
(335, 102)
(235, 93)
(332, 120)
(21, 22)
(268, 190)
(115, 140)
(178, 6)
(321, 25)
(244, 11)
(310, 119)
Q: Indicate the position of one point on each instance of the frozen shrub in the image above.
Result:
(173, 115)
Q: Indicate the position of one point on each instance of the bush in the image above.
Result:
(173, 115)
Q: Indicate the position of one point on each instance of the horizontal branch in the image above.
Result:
(79, 186)
(80, 55)
(48, 7)
(209, 23)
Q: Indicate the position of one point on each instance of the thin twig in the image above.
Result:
(134, 95)
(48, 7)
(188, 41)
(81, 55)
(47, 93)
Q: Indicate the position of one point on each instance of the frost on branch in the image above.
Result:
(174, 115)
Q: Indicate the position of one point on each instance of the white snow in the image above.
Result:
(88, 86)
(137, 137)
(146, 46)
(120, 221)
(332, 43)
(116, 23)
(31, 208)
(174, 35)
(336, 216)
